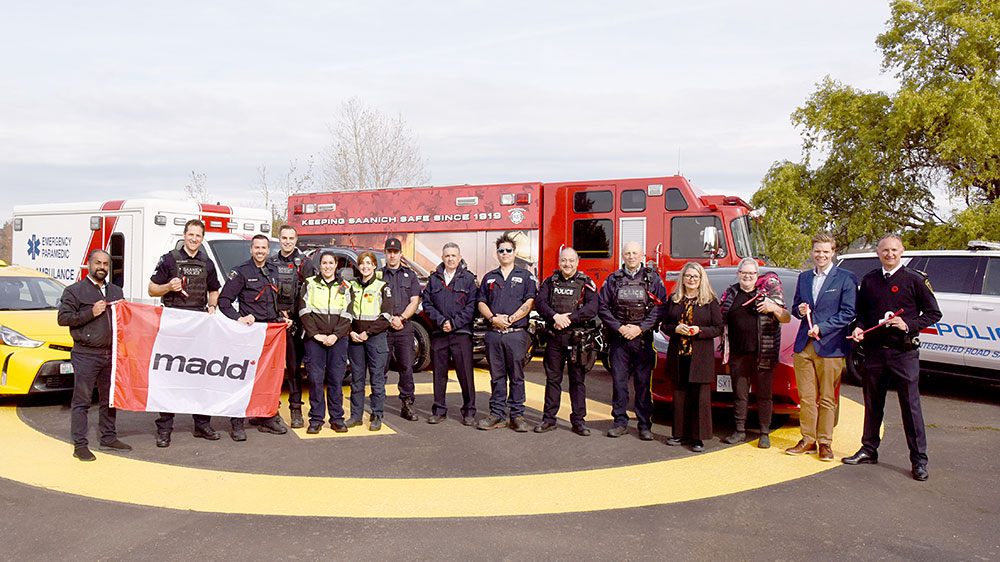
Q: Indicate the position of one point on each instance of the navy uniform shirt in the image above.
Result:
(404, 284)
(505, 296)
(256, 290)
(166, 269)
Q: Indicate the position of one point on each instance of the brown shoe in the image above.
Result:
(801, 448)
(825, 453)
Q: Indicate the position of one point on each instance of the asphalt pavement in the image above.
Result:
(873, 512)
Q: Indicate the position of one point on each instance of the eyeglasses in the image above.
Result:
(692, 276)
(505, 250)
(748, 273)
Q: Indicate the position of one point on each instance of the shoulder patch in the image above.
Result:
(233, 273)
(928, 283)
(388, 291)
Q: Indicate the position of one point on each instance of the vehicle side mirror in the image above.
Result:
(710, 240)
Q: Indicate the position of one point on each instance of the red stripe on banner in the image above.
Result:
(99, 238)
(930, 331)
(133, 355)
(270, 372)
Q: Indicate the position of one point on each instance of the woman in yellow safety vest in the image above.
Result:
(327, 322)
(370, 309)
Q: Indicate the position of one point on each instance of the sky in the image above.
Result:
(116, 100)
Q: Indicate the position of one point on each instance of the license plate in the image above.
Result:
(723, 383)
(66, 368)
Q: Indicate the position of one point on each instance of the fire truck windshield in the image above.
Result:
(747, 237)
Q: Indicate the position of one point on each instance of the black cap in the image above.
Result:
(394, 244)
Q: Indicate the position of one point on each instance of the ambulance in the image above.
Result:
(672, 220)
(56, 238)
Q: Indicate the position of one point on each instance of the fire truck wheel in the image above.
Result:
(421, 348)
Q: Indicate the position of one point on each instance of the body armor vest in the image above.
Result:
(193, 274)
(632, 300)
(289, 281)
(567, 294)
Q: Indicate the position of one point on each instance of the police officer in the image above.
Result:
(84, 308)
(449, 300)
(293, 269)
(894, 304)
(629, 305)
(568, 301)
(505, 299)
(185, 278)
(254, 284)
(405, 287)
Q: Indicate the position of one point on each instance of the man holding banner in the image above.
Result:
(254, 284)
(185, 278)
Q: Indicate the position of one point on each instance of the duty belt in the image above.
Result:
(508, 330)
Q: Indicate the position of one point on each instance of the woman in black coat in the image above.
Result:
(692, 320)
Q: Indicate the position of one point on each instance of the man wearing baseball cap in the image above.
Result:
(405, 287)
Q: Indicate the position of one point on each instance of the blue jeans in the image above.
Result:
(326, 367)
(368, 359)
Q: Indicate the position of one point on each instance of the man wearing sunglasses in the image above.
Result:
(506, 296)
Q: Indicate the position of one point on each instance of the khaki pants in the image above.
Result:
(817, 378)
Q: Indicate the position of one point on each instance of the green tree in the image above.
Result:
(792, 215)
(879, 156)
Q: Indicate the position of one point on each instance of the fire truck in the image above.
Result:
(56, 238)
(672, 220)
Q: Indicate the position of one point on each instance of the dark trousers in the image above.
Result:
(326, 366)
(165, 423)
(631, 357)
(557, 354)
(91, 369)
(368, 359)
(746, 374)
(904, 367)
(294, 353)
(401, 351)
(447, 347)
(505, 353)
(692, 405)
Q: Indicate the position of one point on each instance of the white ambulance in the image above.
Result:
(56, 238)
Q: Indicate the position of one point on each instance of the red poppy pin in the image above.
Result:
(895, 289)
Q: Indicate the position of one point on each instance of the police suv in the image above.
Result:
(966, 342)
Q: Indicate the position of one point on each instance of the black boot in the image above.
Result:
(737, 436)
(297, 420)
(406, 412)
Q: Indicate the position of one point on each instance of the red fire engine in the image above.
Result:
(672, 220)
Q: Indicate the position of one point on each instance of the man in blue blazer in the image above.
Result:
(825, 297)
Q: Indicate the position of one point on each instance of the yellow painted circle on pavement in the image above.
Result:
(35, 459)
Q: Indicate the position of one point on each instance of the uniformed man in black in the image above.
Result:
(505, 299)
(84, 308)
(894, 304)
(186, 278)
(254, 284)
(567, 300)
(629, 305)
(293, 269)
(405, 287)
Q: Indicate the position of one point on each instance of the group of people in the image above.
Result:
(332, 316)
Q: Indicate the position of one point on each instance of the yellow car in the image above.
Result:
(34, 348)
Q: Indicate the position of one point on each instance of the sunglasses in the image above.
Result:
(505, 250)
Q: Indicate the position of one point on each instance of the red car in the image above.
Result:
(786, 395)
